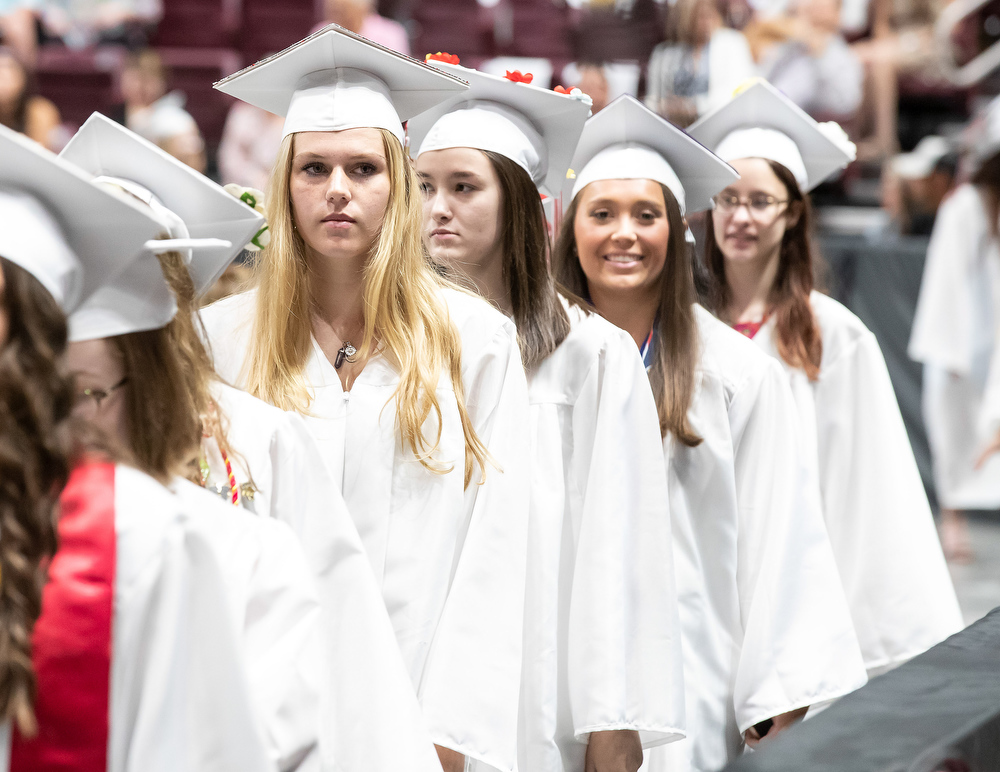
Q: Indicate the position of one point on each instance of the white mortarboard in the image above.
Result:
(627, 141)
(534, 127)
(336, 80)
(190, 205)
(761, 122)
(70, 234)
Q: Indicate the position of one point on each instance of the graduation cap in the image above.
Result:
(211, 224)
(761, 122)
(335, 80)
(627, 141)
(536, 128)
(55, 223)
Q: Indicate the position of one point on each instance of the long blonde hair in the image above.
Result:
(403, 308)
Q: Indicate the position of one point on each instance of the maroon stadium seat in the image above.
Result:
(79, 82)
(199, 23)
(270, 26)
(193, 71)
(460, 27)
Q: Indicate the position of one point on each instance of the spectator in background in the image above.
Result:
(21, 109)
(594, 83)
(699, 65)
(250, 142)
(148, 110)
(361, 16)
(82, 23)
(18, 28)
(805, 56)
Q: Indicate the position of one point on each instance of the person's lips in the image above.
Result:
(442, 233)
(339, 220)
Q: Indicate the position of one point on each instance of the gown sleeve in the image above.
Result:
(469, 689)
(624, 660)
(799, 646)
(180, 698)
(371, 718)
(897, 581)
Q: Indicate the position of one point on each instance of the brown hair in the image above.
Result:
(541, 321)
(17, 118)
(987, 179)
(36, 399)
(798, 336)
(676, 358)
(167, 390)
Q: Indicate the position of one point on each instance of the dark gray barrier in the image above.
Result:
(879, 280)
(940, 711)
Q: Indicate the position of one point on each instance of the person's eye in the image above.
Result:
(648, 215)
(601, 215)
(729, 200)
(426, 189)
(761, 202)
(464, 187)
(314, 168)
(366, 169)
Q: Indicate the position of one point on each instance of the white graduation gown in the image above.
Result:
(602, 637)
(766, 628)
(876, 512)
(179, 699)
(449, 561)
(372, 720)
(276, 613)
(954, 335)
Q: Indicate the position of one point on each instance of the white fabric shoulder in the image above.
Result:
(477, 322)
(840, 328)
(726, 355)
(179, 694)
(228, 327)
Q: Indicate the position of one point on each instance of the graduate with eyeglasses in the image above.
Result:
(759, 254)
(120, 646)
(765, 627)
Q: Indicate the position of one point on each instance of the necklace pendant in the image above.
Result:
(347, 351)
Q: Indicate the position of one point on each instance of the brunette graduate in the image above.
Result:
(602, 673)
(120, 649)
(955, 336)
(759, 255)
(413, 389)
(765, 628)
(180, 420)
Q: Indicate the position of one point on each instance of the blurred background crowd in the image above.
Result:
(907, 79)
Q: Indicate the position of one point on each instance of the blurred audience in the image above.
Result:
(594, 83)
(915, 184)
(19, 29)
(148, 110)
(804, 54)
(362, 16)
(82, 23)
(250, 142)
(23, 110)
(699, 65)
(902, 44)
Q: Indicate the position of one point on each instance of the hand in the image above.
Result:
(989, 450)
(451, 761)
(781, 723)
(617, 751)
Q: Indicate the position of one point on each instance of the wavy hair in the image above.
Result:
(36, 400)
(403, 306)
(676, 358)
(798, 336)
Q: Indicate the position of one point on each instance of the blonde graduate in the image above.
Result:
(415, 394)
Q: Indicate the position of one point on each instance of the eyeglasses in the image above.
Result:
(97, 396)
(759, 205)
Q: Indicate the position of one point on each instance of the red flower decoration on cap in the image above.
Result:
(518, 77)
(442, 57)
(561, 90)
